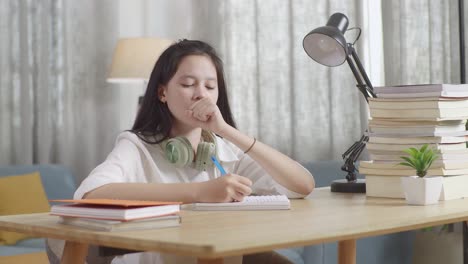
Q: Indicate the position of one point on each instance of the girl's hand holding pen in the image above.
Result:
(218, 165)
(230, 187)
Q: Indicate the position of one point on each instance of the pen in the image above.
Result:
(218, 165)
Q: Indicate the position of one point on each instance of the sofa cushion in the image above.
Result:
(15, 250)
(30, 257)
(21, 194)
(58, 181)
(32, 243)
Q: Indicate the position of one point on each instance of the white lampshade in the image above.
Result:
(134, 59)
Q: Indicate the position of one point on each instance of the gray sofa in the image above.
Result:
(58, 183)
(387, 249)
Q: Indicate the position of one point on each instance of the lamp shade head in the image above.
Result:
(327, 45)
(134, 59)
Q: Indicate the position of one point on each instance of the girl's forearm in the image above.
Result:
(283, 169)
(181, 192)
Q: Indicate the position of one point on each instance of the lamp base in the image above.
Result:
(344, 186)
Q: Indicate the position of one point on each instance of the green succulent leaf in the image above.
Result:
(407, 159)
(406, 164)
(423, 148)
(420, 159)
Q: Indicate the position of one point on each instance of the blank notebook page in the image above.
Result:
(265, 202)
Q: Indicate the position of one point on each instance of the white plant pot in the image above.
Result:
(422, 191)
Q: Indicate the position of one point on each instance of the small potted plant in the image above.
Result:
(421, 189)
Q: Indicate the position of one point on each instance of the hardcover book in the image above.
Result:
(393, 165)
(420, 114)
(418, 131)
(411, 172)
(397, 156)
(422, 90)
(411, 103)
(114, 225)
(453, 187)
(113, 209)
(417, 140)
(444, 148)
(404, 123)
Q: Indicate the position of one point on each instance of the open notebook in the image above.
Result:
(265, 202)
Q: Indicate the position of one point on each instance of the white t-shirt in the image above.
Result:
(133, 160)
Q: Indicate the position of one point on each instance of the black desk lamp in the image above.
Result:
(327, 45)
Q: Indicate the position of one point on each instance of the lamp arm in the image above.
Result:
(352, 148)
(365, 87)
(360, 85)
(364, 83)
(350, 157)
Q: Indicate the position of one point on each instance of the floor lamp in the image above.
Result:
(134, 59)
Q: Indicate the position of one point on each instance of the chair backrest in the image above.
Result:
(58, 181)
(326, 171)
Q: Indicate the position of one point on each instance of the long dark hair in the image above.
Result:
(154, 121)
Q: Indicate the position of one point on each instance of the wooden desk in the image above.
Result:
(209, 236)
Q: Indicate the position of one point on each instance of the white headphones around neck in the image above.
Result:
(179, 151)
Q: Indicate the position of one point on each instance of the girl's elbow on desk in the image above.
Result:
(306, 187)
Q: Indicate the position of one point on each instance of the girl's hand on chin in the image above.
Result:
(205, 114)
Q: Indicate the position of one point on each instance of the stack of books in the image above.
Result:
(117, 215)
(411, 116)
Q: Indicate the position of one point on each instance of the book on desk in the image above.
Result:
(422, 90)
(409, 116)
(418, 103)
(113, 214)
(114, 225)
(453, 187)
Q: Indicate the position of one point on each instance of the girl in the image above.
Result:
(185, 119)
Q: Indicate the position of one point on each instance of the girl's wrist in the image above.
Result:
(222, 130)
(197, 191)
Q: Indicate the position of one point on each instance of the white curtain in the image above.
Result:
(55, 106)
(307, 110)
(277, 92)
(421, 41)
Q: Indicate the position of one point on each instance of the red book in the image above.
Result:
(113, 209)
